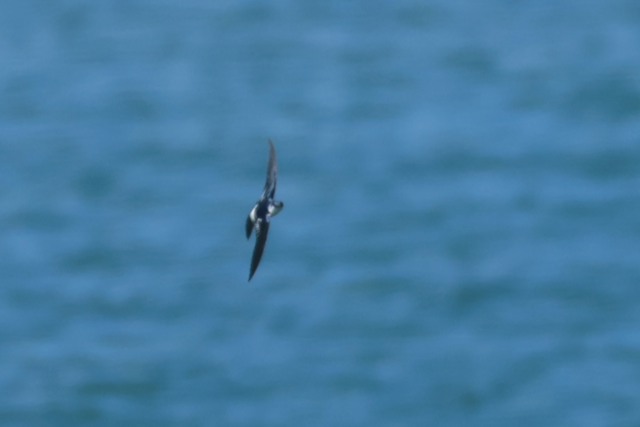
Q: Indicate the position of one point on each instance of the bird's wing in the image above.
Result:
(261, 241)
(272, 173)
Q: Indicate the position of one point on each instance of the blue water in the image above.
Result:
(459, 243)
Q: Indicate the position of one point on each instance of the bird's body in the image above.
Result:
(266, 208)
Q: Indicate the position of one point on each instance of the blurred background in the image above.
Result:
(459, 244)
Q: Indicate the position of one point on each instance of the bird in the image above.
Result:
(265, 208)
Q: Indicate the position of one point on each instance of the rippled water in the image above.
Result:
(459, 244)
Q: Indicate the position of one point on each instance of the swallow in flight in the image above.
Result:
(266, 208)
